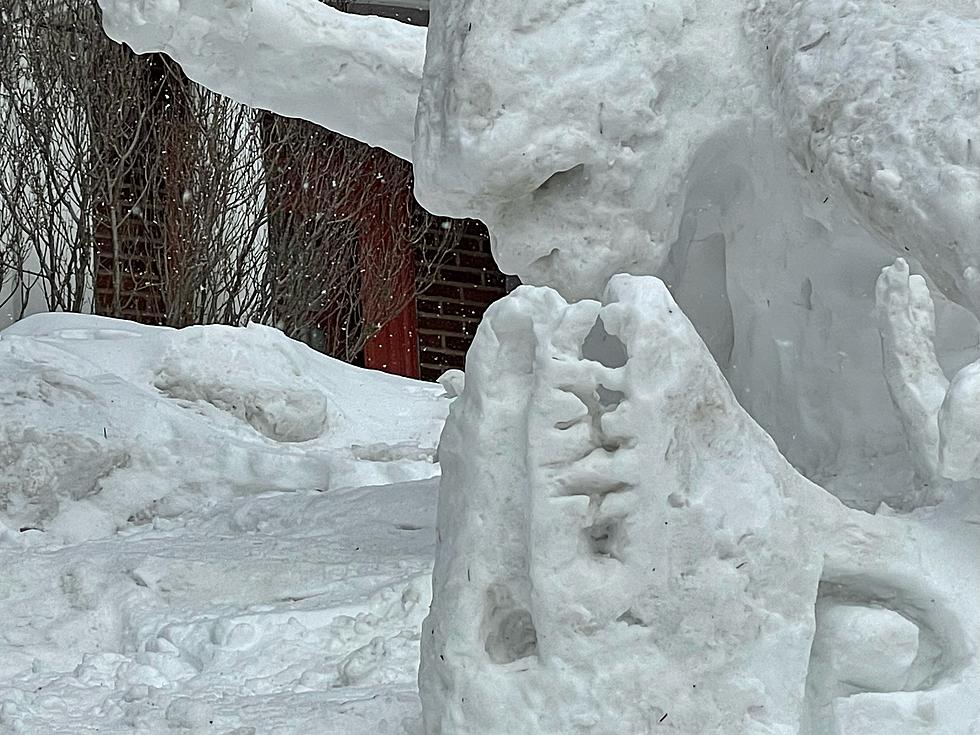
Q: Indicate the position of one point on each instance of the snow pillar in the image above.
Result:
(623, 550)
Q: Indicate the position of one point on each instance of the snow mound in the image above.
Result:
(255, 374)
(104, 424)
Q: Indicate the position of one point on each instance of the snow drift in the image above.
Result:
(118, 423)
(182, 550)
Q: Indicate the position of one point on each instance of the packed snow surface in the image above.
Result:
(184, 544)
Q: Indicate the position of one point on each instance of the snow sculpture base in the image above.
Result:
(623, 549)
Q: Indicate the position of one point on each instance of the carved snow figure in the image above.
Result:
(875, 98)
(765, 158)
(623, 549)
(602, 99)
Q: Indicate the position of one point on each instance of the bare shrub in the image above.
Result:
(128, 190)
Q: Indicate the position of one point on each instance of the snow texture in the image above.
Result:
(100, 418)
(168, 566)
(356, 75)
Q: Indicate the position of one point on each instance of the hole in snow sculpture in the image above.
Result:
(602, 347)
(608, 399)
(605, 537)
(630, 619)
(510, 631)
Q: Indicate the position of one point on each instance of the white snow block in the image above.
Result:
(623, 550)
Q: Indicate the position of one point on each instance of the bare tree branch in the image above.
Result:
(128, 189)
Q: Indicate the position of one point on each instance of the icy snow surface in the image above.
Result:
(183, 543)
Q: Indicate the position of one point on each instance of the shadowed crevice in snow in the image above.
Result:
(606, 537)
(875, 640)
(604, 348)
(509, 628)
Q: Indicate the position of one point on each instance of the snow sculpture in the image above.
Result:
(356, 75)
(577, 173)
(880, 98)
(941, 417)
(527, 106)
(632, 535)
(623, 549)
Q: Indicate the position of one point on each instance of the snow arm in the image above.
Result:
(942, 419)
(907, 323)
(357, 75)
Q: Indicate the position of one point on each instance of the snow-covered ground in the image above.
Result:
(209, 530)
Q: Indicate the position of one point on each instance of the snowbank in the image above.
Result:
(105, 424)
(182, 546)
